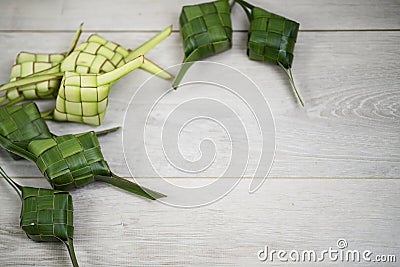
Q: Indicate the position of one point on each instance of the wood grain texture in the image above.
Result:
(138, 15)
(113, 228)
(347, 68)
(349, 127)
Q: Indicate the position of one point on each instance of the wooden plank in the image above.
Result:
(349, 127)
(127, 15)
(113, 228)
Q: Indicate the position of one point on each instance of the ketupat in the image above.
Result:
(23, 123)
(97, 55)
(28, 64)
(72, 161)
(206, 30)
(271, 38)
(84, 97)
(46, 215)
(81, 61)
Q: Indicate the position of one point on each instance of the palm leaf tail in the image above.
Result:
(130, 186)
(246, 6)
(11, 147)
(13, 184)
(145, 47)
(33, 79)
(107, 131)
(178, 78)
(71, 251)
(75, 39)
(292, 83)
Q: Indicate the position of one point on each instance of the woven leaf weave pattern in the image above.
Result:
(70, 161)
(96, 55)
(80, 100)
(206, 29)
(271, 37)
(47, 215)
(27, 64)
(22, 123)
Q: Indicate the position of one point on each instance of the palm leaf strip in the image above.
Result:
(97, 55)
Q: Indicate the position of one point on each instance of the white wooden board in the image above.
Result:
(349, 127)
(113, 228)
(337, 161)
(139, 15)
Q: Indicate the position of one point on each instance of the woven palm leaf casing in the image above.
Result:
(98, 55)
(95, 55)
(73, 102)
(84, 97)
(29, 64)
(206, 30)
(70, 161)
(47, 215)
(271, 37)
(22, 124)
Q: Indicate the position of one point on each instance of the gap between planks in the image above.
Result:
(249, 178)
(177, 31)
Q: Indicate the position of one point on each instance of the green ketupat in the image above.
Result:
(271, 38)
(28, 64)
(72, 161)
(206, 30)
(46, 215)
(22, 124)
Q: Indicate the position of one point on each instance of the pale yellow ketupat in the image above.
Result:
(97, 55)
(84, 97)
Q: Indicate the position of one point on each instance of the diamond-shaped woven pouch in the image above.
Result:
(80, 99)
(46, 214)
(74, 160)
(29, 64)
(70, 161)
(206, 30)
(271, 37)
(22, 124)
(84, 97)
